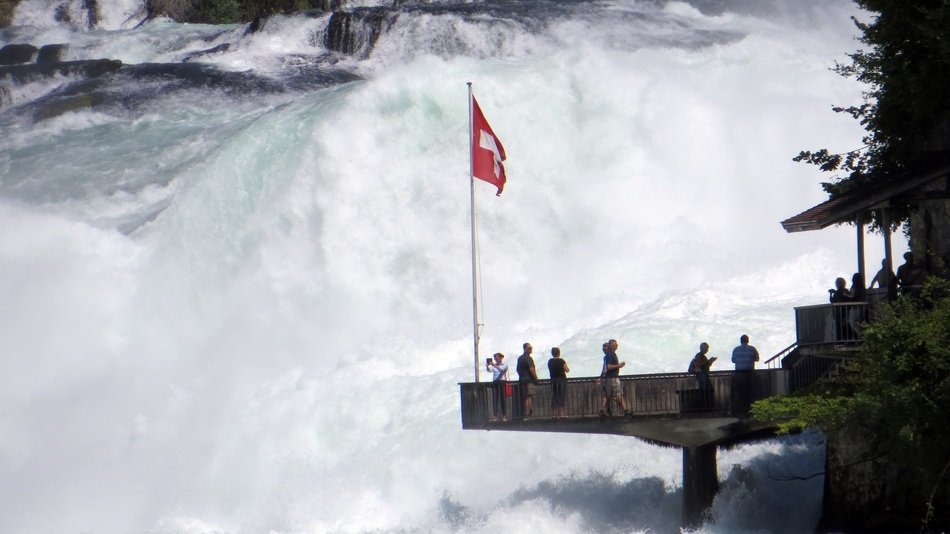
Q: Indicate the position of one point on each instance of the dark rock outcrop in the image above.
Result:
(17, 54)
(870, 487)
(355, 32)
(224, 47)
(56, 107)
(90, 68)
(6, 12)
(87, 69)
(53, 53)
(90, 14)
(327, 5)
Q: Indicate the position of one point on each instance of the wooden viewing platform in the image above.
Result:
(666, 409)
(659, 404)
(670, 409)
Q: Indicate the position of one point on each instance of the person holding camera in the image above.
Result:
(499, 375)
(700, 365)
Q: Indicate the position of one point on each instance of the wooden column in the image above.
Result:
(891, 285)
(859, 223)
(700, 483)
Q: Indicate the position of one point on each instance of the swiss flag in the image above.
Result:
(487, 152)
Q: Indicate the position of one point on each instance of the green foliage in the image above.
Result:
(903, 374)
(898, 385)
(229, 11)
(220, 11)
(906, 69)
(265, 8)
(179, 10)
(796, 413)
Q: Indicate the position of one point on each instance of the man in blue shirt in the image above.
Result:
(744, 356)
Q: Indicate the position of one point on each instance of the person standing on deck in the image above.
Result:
(611, 376)
(839, 314)
(605, 403)
(700, 365)
(910, 276)
(527, 379)
(885, 279)
(744, 357)
(558, 370)
(859, 294)
(499, 371)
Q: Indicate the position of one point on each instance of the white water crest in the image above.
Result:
(244, 305)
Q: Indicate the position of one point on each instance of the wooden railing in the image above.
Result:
(645, 396)
(830, 323)
(775, 362)
(837, 323)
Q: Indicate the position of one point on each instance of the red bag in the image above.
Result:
(508, 389)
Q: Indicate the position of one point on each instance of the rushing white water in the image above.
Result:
(245, 306)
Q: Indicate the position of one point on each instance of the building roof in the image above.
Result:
(848, 205)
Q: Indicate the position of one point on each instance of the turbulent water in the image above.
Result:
(236, 285)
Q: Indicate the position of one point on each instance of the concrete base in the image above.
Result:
(700, 483)
(699, 438)
(672, 431)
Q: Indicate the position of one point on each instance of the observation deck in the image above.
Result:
(670, 409)
(666, 409)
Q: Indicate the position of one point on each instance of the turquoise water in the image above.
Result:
(242, 303)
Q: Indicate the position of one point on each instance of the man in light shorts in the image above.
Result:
(611, 376)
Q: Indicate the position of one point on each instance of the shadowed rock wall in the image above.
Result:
(6, 11)
(871, 489)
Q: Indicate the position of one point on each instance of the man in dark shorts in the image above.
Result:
(558, 370)
(527, 379)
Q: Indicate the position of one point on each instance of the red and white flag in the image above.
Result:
(487, 152)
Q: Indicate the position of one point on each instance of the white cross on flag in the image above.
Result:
(487, 151)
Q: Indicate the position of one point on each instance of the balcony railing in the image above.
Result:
(836, 323)
(831, 323)
(656, 395)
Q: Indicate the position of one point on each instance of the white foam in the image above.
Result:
(279, 350)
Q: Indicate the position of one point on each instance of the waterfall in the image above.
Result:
(235, 259)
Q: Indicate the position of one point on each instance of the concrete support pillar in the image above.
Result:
(700, 483)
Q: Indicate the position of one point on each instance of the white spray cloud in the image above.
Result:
(278, 350)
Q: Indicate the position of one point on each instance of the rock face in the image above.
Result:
(53, 53)
(870, 489)
(930, 220)
(355, 32)
(16, 54)
(930, 232)
(17, 67)
(90, 68)
(6, 12)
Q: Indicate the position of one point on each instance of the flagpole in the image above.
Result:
(471, 179)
